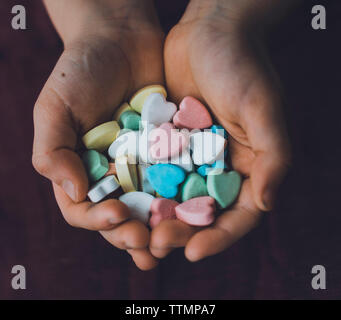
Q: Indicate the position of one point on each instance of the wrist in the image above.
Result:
(249, 15)
(81, 18)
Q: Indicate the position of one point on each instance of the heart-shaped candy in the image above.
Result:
(165, 179)
(192, 114)
(130, 120)
(162, 209)
(156, 110)
(167, 141)
(224, 187)
(103, 188)
(139, 98)
(197, 211)
(96, 164)
(207, 147)
(145, 144)
(127, 144)
(139, 204)
(193, 187)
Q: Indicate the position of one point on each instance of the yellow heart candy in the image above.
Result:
(101, 137)
(140, 96)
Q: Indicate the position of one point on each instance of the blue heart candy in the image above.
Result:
(165, 179)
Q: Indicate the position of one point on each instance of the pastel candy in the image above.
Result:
(192, 114)
(123, 108)
(217, 129)
(102, 136)
(184, 160)
(145, 185)
(197, 211)
(220, 164)
(126, 173)
(156, 110)
(165, 179)
(207, 147)
(224, 187)
(193, 187)
(103, 188)
(126, 144)
(145, 144)
(96, 164)
(167, 142)
(137, 101)
(162, 209)
(204, 170)
(139, 204)
(130, 120)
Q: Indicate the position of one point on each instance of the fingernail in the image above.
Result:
(69, 189)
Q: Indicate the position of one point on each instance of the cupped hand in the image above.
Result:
(99, 69)
(214, 59)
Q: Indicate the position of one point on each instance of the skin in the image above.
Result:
(218, 53)
(112, 49)
(115, 47)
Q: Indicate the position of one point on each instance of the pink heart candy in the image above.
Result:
(197, 211)
(167, 142)
(162, 209)
(192, 114)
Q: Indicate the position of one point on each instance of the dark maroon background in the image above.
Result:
(272, 262)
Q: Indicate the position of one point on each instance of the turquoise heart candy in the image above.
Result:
(96, 164)
(224, 187)
(193, 187)
(165, 179)
(130, 120)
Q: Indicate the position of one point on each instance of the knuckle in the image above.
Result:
(41, 163)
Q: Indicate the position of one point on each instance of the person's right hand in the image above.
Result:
(106, 59)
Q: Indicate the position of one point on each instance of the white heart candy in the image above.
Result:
(103, 188)
(156, 110)
(139, 204)
(127, 144)
(207, 147)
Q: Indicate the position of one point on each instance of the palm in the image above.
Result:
(97, 74)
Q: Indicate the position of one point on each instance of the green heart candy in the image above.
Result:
(130, 120)
(193, 187)
(224, 187)
(96, 164)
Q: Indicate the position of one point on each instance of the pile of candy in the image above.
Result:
(169, 163)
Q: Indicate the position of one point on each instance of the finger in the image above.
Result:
(55, 139)
(143, 259)
(228, 228)
(102, 216)
(169, 234)
(131, 234)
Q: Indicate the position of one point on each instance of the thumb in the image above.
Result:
(266, 130)
(55, 139)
